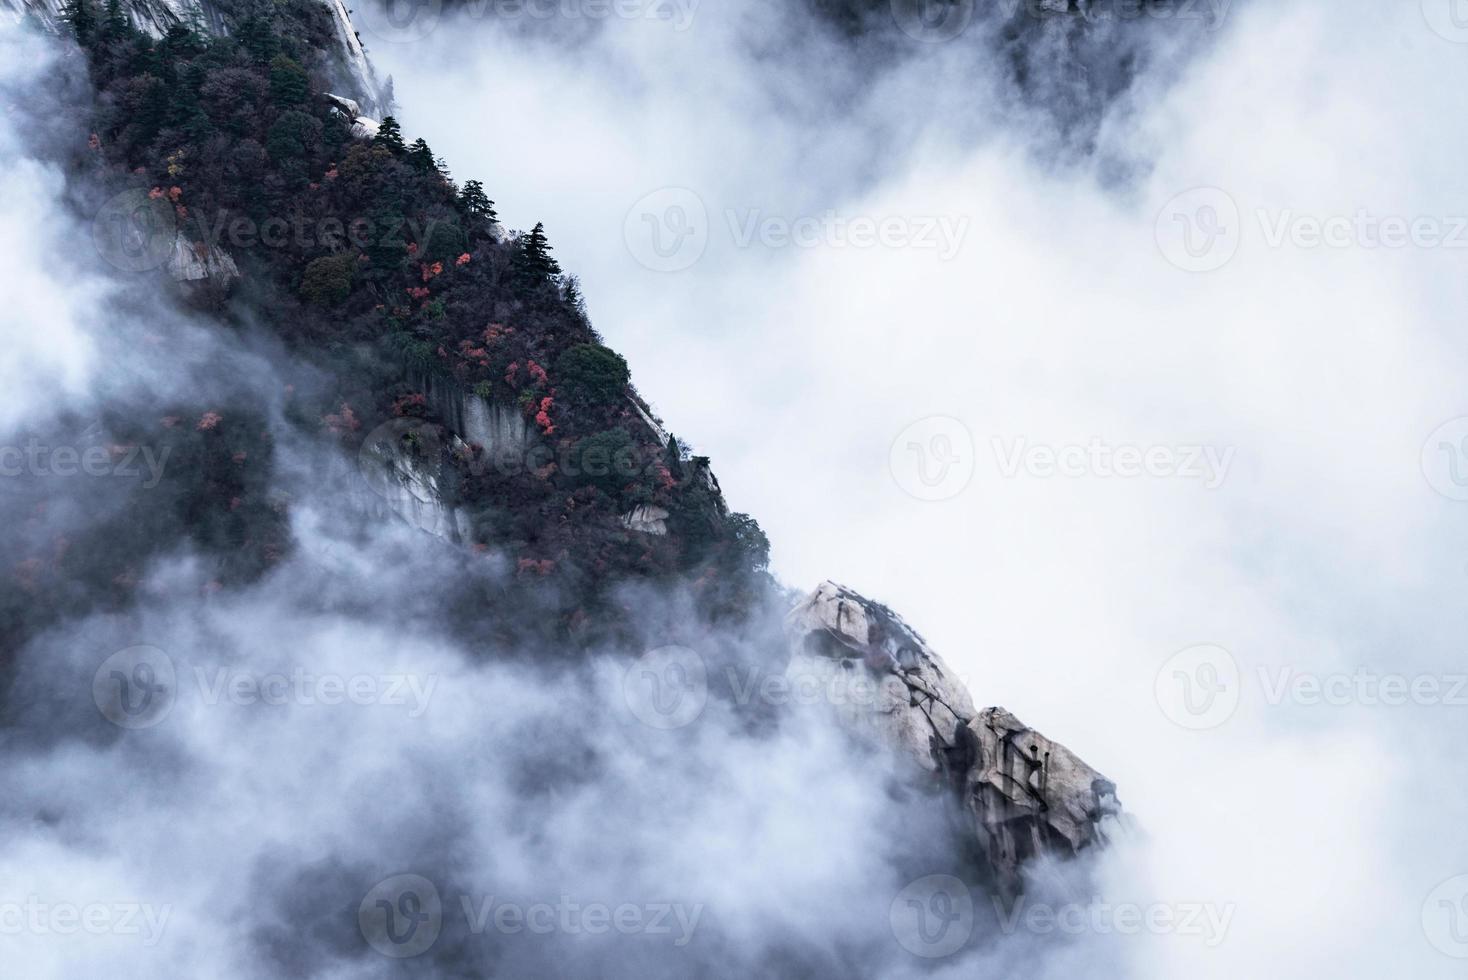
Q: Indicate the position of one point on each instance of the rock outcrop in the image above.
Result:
(647, 519)
(202, 268)
(1026, 795)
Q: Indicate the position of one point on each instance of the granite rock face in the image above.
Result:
(1026, 795)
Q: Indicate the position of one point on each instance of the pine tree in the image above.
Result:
(256, 36)
(288, 82)
(83, 21)
(389, 134)
(420, 156)
(533, 265)
(475, 203)
(115, 25)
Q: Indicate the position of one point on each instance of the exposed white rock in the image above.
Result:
(921, 706)
(647, 419)
(352, 56)
(196, 262)
(401, 469)
(1029, 795)
(364, 128)
(1026, 794)
(647, 519)
(500, 430)
(348, 107)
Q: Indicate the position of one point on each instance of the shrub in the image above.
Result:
(607, 461)
(328, 280)
(592, 375)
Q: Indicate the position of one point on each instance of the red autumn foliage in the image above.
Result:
(538, 567)
(208, 421)
(536, 372)
(478, 355)
(418, 292)
(413, 404)
(429, 271)
(462, 260)
(155, 194)
(542, 417)
(496, 332)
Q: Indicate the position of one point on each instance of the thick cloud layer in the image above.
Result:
(238, 824)
(1306, 335)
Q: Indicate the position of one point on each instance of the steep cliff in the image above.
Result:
(456, 365)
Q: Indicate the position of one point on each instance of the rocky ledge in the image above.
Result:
(1026, 795)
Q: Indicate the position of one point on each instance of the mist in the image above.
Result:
(954, 341)
(1323, 541)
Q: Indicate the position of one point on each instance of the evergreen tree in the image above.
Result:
(83, 21)
(115, 25)
(532, 265)
(475, 203)
(389, 134)
(289, 85)
(420, 156)
(256, 36)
